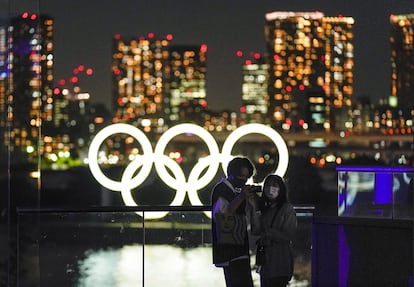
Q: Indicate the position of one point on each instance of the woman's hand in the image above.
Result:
(251, 197)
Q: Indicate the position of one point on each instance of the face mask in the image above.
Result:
(237, 182)
(272, 192)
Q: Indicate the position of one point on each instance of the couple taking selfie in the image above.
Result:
(272, 220)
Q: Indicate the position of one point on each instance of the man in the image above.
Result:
(229, 200)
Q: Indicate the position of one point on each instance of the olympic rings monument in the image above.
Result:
(178, 181)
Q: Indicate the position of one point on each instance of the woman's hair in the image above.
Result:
(236, 164)
(272, 179)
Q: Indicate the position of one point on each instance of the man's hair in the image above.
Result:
(236, 164)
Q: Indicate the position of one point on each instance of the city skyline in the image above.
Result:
(140, 67)
(224, 70)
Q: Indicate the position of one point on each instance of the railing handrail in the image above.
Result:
(140, 208)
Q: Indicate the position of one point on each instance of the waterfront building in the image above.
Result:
(307, 51)
(141, 72)
(315, 114)
(402, 60)
(224, 121)
(188, 82)
(254, 89)
(362, 115)
(389, 120)
(3, 78)
(153, 80)
(27, 79)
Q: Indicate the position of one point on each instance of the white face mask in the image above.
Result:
(272, 192)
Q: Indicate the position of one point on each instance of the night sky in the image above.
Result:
(84, 32)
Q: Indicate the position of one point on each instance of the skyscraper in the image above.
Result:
(402, 60)
(141, 73)
(29, 77)
(188, 78)
(254, 88)
(3, 78)
(308, 52)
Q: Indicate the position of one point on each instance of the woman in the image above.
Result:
(275, 222)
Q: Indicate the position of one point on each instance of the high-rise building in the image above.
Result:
(254, 88)
(3, 78)
(71, 101)
(392, 120)
(402, 60)
(188, 79)
(307, 51)
(28, 77)
(141, 74)
(315, 110)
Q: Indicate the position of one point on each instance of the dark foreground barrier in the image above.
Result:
(362, 252)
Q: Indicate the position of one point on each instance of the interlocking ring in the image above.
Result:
(161, 161)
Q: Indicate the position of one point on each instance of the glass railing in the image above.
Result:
(116, 247)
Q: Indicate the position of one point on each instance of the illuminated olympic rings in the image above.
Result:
(161, 161)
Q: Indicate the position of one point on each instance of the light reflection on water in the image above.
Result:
(164, 266)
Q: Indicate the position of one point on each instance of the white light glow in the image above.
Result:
(176, 178)
(205, 136)
(94, 149)
(266, 131)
